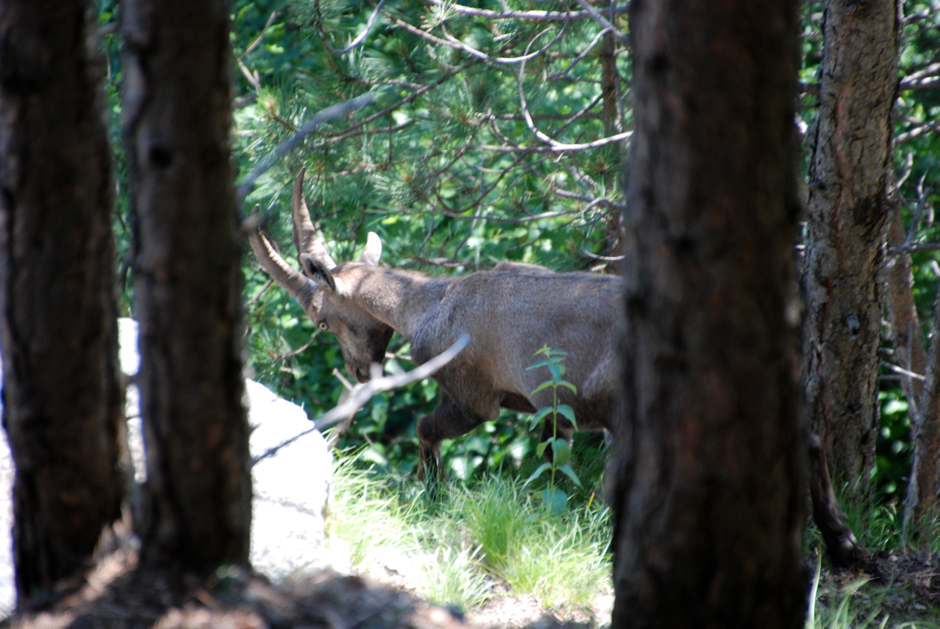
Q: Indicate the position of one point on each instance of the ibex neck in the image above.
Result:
(397, 298)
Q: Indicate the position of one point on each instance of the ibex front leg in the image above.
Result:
(446, 422)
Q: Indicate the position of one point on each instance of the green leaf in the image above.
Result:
(542, 412)
(570, 474)
(561, 451)
(565, 383)
(541, 363)
(568, 412)
(555, 370)
(537, 472)
(542, 386)
(555, 501)
(540, 449)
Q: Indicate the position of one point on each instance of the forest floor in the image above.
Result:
(905, 592)
(897, 590)
(116, 595)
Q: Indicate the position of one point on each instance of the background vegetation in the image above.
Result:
(455, 174)
(446, 169)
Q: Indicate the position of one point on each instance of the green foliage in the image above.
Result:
(894, 449)
(423, 174)
(482, 536)
(863, 604)
(879, 527)
(445, 168)
(554, 500)
(915, 157)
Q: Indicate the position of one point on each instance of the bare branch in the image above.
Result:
(535, 16)
(494, 219)
(356, 42)
(916, 132)
(594, 256)
(555, 146)
(296, 352)
(925, 72)
(920, 248)
(459, 45)
(326, 115)
(362, 393)
(902, 371)
(591, 202)
(581, 56)
(254, 44)
(252, 77)
(926, 83)
(603, 21)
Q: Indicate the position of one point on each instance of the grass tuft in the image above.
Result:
(470, 539)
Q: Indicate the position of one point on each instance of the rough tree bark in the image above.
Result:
(177, 108)
(708, 476)
(62, 401)
(848, 209)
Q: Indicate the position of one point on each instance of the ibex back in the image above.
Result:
(509, 313)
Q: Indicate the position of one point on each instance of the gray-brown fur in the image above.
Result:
(510, 313)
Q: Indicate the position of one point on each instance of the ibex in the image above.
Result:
(509, 312)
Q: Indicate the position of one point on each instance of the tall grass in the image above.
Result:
(481, 539)
(365, 519)
(475, 540)
(562, 561)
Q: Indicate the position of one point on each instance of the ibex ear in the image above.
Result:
(315, 270)
(373, 250)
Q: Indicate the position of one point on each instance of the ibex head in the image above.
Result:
(321, 290)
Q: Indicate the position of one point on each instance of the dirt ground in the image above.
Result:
(118, 596)
(905, 587)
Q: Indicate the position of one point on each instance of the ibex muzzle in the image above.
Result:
(509, 313)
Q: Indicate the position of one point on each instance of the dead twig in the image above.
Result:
(362, 393)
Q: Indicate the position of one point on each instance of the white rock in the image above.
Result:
(290, 487)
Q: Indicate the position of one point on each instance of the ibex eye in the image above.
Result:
(323, 325)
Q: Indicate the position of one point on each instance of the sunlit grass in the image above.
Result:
(491, 536)
(472, 539)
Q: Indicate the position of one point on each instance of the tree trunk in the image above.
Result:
(848, 208)
(708, 475)
(920, 507)
(906, 334)
(62, 401)
(197, 500)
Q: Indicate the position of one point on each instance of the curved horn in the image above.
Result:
(295, 283)
(305, 233)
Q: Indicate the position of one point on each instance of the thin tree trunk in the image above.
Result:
(611, 115)
(197, 499)
(62, 401)
(848, 209)
(907, 337)
(708, 476)
(610, 86)
(921, 509)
